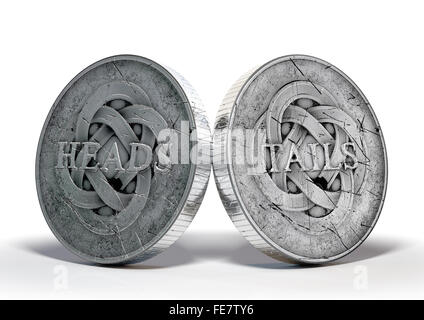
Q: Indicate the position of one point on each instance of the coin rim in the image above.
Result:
(247, 225)
(187, 208)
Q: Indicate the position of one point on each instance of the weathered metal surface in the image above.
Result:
(107, 186)
(299, 160)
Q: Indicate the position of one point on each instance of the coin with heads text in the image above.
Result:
(122, 162)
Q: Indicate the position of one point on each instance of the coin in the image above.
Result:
(299, 160)
(118, 169)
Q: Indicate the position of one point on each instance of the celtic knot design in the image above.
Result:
(320, 159)
(113, 118)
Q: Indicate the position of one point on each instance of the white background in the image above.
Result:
(379, 44)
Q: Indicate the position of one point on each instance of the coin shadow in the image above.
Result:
(370, 249)
(175, 256)
(229, 247)
(209, 246)
(373, 248)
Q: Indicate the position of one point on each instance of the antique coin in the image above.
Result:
(299, 160)
(122, 162)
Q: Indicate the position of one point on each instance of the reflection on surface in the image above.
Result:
(209, 266)
(230, 247)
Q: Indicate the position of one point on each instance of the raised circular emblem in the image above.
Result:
(122, 162)
(299, 160)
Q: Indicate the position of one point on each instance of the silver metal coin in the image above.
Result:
(299, 160)
(118, 170)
